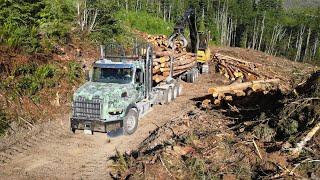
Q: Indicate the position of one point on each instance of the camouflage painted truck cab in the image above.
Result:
(119, 93)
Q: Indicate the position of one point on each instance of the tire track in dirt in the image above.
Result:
(8, 153)
(54, 152)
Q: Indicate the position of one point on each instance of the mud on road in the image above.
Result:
(52, 151)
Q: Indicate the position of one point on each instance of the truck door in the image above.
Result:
(139, 84)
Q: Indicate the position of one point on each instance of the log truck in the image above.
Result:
(120, 91)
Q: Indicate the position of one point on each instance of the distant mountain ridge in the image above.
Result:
(289, 4)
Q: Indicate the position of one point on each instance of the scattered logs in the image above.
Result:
(227, 93)
(244, 77)
(234, 68)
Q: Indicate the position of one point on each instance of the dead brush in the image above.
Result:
(121, 164)
(3, 122)
(197, 167)
(298, 116)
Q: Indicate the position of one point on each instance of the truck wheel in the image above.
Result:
(168, 96)
(190, 77)
(130, 122)
(180, 88)
(73, 130)
(194, 76)
(198, 73)
(205, 69)
(175, 91)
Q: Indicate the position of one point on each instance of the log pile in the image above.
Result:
(244, 76)
(227, 93)
(182, 61)
(234, 68)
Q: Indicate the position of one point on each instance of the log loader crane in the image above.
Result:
(199, 38)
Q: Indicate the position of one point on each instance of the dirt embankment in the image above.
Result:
(37, 87)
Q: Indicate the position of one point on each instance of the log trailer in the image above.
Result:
(199, 38)
(120, 91)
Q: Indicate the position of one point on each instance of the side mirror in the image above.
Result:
(139, 77)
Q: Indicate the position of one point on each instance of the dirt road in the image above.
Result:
(53, 152)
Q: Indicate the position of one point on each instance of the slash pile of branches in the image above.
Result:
(290, 125)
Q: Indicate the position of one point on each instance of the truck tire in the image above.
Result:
(73, 130)
(180, 88)
(175, 91)
(205, 69)
(130, 122)
(168, 95)
(190, 77)
(194, 76)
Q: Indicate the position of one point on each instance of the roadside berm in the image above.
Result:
(260, 119)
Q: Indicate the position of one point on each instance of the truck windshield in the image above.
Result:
(112, 75)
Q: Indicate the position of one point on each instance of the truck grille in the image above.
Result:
(87, 108)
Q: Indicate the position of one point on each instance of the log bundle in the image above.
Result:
(245, 79)
(227, 93)
(182, 60)
(234, 68)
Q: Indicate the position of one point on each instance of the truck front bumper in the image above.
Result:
(95, 125)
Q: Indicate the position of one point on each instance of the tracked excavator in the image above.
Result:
(199, 38)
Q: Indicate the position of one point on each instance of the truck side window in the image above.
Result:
(139, 76)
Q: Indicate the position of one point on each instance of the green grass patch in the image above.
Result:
(144, 22)
(74, 72)
(33, 81)
(29, 79)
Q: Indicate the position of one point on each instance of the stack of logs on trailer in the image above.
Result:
(182, 61)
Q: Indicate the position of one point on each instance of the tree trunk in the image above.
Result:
(254, 34)
(306, 54)
(298, 55)
(170, 8)
(93, 20)
(235, 33)
(137, 5)
(277, 35)
(289, 41)
(315, 46)
(262, 30)
(164, 12)
(79, 14)
(230, 29)
(127, 6)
